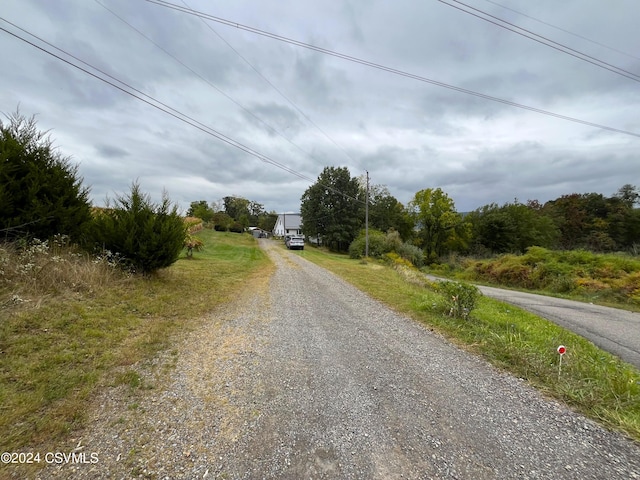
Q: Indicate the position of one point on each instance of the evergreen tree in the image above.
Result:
(149, 236)
(41, 194)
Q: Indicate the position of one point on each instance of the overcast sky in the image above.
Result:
(307, 110)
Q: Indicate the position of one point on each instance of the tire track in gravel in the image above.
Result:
(350, 389)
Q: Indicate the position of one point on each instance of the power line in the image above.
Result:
(151, 101)
(384, 68)
(273, 86)
(543, 40)
(564, 30)
(211, 84)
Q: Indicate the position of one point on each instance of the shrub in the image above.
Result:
(147, 235)
(410, 252)
(236, 227)
(192, 243)
(377, 245)
(41, 194)
(459, 299)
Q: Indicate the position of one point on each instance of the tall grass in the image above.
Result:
(599, 278)
(70, 324)
(31, 273)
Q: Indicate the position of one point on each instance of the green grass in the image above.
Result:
(59, 347)
(606, 279)
(591, 380)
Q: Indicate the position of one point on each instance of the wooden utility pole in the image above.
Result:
(366, 221)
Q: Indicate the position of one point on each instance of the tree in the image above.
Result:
(440, 228)
(267, 221)
(222, 222)
(333, 208)
(387, 213)
(629, 195)
(236, 207)
(512, 227)
(41, 193)
(149, 236)
(593, 221)
(202, 210)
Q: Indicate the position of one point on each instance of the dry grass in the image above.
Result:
(32, 273)
(70, 324)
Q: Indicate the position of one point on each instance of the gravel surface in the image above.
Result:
(306, 377)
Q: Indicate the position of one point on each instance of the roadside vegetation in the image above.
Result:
(590, 380)
(73, 323)
(608, 279)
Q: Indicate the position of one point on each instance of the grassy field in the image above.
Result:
(591, 381)
(70, 324)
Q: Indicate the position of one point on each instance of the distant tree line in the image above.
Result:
(333, 211)
(41, 195)
(233, 214)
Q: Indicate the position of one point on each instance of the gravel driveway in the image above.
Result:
(306, 377)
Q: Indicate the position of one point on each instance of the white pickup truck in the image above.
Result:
(294, 242)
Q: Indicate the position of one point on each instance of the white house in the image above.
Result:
(288, 224)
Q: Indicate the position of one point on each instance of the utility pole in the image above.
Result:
(366, 220)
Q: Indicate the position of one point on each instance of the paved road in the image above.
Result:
(616, 331)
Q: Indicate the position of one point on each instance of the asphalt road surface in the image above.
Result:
(614, 330)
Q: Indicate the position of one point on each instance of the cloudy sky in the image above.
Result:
(302, 110)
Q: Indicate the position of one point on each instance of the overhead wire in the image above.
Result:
(542, 40)
(577, 35)
(208, 82)
(385, 68)
(291, 102)
(153, 102)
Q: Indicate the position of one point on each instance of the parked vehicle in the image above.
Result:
(294, 242)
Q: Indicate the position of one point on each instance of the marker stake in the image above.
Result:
(561, 351)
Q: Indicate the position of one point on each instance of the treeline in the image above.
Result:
(333, 210)
(233, 214)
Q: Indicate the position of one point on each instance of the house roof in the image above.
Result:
(291, 221)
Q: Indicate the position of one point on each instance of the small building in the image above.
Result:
(288, 224)
(258, 232)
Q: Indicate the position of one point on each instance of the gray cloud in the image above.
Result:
(409, 135)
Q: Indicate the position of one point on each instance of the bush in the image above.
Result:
(410, 252)
(377, 245)
(192, 243)
(41, 194)
(236, 227)
(147, 235)
(459, 299)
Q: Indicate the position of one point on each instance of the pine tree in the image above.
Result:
(148, 236)
(41, 194)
